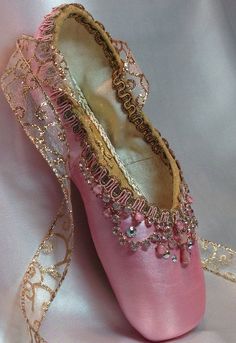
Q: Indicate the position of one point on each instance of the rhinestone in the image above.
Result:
(190, 212)
(116, 206)
(149, 222)
(106, 198)
(131, 232)
(116, 219)
(166, 255)
(190, 244)
(134, 246)
(81, 166)
(166, 228)
(122, 241)
(189, 199)
(87, 176)
(115, 230)
(154, 239)
(174, 258)
(164, 239)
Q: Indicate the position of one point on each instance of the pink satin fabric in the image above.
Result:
(160, 299)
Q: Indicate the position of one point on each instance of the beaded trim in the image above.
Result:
(167, 231)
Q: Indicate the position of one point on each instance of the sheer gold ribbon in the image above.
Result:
(42, 125)
(50, 263)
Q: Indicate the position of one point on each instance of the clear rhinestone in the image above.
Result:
(116, 206)
(164, 239)
(122, 241)
(166, 255)
(154, 238)
(115, 231)
(166, 228)
(149, 222)
(106, 198)
(131, 232)
(133, 246)
(116, 219)
(190, 244)
(174, 258)
(87, 176)
(81, 166)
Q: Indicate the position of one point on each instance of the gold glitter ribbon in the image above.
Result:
(218, 259)
(40, 121)
(42, 125)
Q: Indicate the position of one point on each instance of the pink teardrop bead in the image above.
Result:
(160, 250)
(185, 257)
(138, 217)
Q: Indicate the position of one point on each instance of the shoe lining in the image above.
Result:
(92, 76)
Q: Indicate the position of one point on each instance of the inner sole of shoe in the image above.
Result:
(93, 76)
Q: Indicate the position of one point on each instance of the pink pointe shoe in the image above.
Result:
(137, 202)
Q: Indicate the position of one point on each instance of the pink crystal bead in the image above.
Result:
(190, 212)
(183, 238)
(138, 217)
(160, 250)
(179, 225)
(126, 212)
(185, 256)
(189, 199)
(149, 223)
(97, 189)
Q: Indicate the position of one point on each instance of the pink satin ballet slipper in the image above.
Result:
(138, 204)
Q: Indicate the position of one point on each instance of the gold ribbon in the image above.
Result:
(42, 125)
